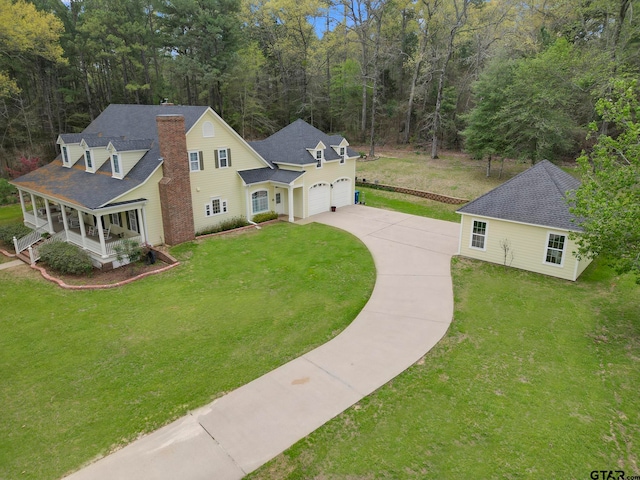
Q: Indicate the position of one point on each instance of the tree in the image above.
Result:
(25, 33)
(608, 201)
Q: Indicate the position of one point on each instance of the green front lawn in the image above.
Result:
(10, 214)
(536, 378)
(84, 372)
(411, 204)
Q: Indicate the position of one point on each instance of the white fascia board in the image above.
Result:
(518, 222)
(137, 186)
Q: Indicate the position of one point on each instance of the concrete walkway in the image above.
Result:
(408, 313)
(11, 264)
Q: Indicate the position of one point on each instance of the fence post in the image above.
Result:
(15, 245)
(31, 255)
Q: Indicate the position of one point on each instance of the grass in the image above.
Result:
(453, 174)
(409, 204)
(10, 214)
(536, 378)
(86, 372)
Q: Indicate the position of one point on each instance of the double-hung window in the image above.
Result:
(260, 201)
(194, 162)
(114, 219)
(555, 248)
(342, 154)
(318, 158)
(479, 234)
(223, 157)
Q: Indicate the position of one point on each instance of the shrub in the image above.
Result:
(8, 193)
(7, 232)
(66, 258)
(265, 217)
(230, 224)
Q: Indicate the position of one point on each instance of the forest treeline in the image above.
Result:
(516, 78)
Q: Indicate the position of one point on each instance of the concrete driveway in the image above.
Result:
(408, 313)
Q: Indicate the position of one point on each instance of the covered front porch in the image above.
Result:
(98, 231)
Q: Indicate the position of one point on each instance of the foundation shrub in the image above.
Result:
(66, 258)
(265, 217)
(230, 224)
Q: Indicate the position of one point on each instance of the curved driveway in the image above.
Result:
(409, 311)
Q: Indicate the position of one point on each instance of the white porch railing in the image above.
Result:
(112, 246)
(34, 252)
(25, 242)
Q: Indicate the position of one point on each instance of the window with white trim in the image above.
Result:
(65, 155)
(115, 159)
(215, 207)
(343, 152)
(478, 234)
(318, 158)
(260, 201)
(222, 158)
(87, 159)
(207, 129)
(114, 219)
(555, 248)
(132, 220)
(194, 162)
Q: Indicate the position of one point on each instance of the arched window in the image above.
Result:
(259, 201)
(207, 129)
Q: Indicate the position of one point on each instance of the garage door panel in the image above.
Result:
(319, 198)
(341, 192)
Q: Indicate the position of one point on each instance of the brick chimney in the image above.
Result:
(175, 186)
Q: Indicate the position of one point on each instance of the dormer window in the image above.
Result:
(65, 155)
(318, 158)
(115, 160)
(343, 152)
(87, 159)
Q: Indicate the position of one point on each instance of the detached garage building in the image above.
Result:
(525, 223)
(325, 164)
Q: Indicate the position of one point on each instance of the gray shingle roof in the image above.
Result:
(537, 196)
(127, 123)
(258, 175)
(129, 145)
(290, 145)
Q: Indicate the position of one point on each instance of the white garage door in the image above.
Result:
(319, 198)
(341, 192)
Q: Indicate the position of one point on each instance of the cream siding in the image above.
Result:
(528, 244)
(213, 182)
(153, 209)
(329, 173)
(128, 160)
(76, 153)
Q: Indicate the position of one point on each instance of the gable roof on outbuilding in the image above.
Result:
(291, 145)
(537, 196)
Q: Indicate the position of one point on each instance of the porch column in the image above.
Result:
(47, 208)
(83, 232)
(143, 224)
(24, 208)
(34, 210)
(103, 243)
(248, 203)
(65, 222)
(290, 202)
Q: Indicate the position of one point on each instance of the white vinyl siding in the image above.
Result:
(529, 245)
